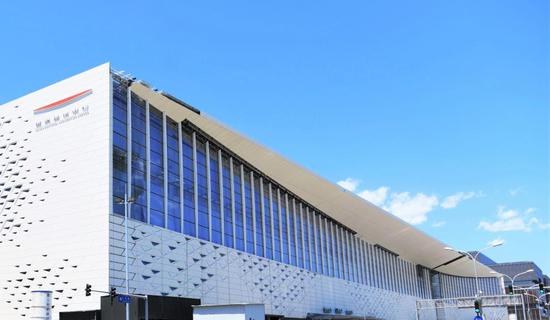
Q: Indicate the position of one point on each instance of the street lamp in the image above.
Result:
(512, 279)
(474, 258)
(127, 201)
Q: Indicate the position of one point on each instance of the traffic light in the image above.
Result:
(510, 289)
(477, 307)
(113, 294)
(541, 287)
(88, 290)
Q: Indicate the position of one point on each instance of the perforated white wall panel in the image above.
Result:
(163, 262)
(54, 194)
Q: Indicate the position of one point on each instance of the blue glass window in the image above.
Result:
(215, 203)
(332, 248)
(319, 242)
(276, 223)
(227, 202)
(338, 250)
(202, 190)
(334, 252)
(326, 252)
(341, 251)
(299, 246)
(284, 228)
(139, 163)
(361, 259)
(189, 222)
(345, 251)
(267, 221)
(313, 249)
(156, 143)
(359, 268)
(248, 211)
(292, 231)
(354, 259)
(242, 211)
(239, 220)
(120, 148)
(344, 255)
(174, 194)
(306, 230)
(351, 257)
(258, 217)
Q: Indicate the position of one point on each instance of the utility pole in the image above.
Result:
(127, 201)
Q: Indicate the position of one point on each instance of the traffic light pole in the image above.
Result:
(113, 294)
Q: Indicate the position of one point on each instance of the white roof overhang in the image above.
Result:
(370, 222)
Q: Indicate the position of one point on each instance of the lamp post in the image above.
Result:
(127, 201)
(474, 258)
(512, 279)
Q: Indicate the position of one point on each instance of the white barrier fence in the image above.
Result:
(502, 307)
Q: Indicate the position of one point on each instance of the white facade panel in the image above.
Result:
(54, 189)
(163, 262)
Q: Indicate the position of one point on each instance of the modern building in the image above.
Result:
(511, 269)
(213, 215)
(514, 270)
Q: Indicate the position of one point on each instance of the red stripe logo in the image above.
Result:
(63, 102)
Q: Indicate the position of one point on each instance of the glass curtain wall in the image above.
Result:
(215, 199)
(183, 181)
(174, 187)
(156, 161)
(120, 146)
(139, 159)
(248, 210)
(188, 158)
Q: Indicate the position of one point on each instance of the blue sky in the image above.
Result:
(407, 102)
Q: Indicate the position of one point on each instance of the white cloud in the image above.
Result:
(453, 200)
(439, 224)
(516, 224)
(349, 184)
(504, 214)
(513, 220)
(515, 192)
(540, 225)
(412, 209)
(376, 197)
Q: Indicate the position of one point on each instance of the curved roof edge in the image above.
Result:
(371, 223)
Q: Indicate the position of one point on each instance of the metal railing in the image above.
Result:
(493, 307)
